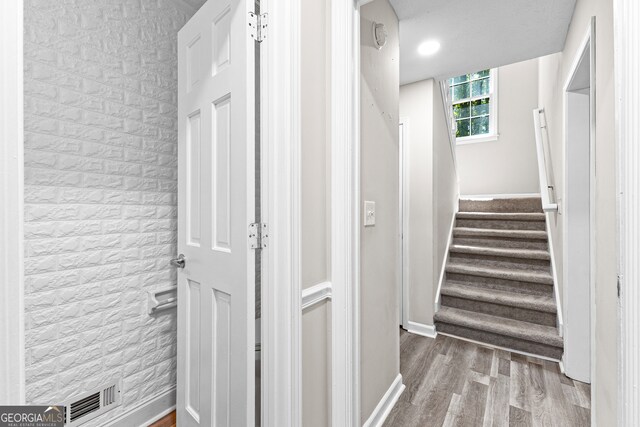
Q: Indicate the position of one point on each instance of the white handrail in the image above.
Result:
(448, 115)
(549, 203)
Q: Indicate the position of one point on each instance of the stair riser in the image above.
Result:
(501, 205)
(517, 313)
(523, 264)
(500, 224)
(501, 284)
(500, 340)
(492, 273)
(491, 242)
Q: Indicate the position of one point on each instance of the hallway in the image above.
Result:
(452, 382)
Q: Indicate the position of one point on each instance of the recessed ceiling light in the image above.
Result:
(429, 47)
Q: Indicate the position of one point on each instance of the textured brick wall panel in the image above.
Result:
(100, 195)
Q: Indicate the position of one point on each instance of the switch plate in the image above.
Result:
(369, 214)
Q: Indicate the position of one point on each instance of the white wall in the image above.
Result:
(509, 164)
(315, 231)
(379, 81)
(417, 108)
(100, 196)
(445, 186)
(553, 73)
(432, 191)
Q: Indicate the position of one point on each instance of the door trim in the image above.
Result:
(626, 15)
(588, 42)
(12, 367)
(345, 212)
(281, 293)
(405, 195)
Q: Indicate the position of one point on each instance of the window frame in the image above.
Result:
(493, 111)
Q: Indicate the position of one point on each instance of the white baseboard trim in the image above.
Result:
(382, 409)
(315, 294)
(554, 273)
(422, 329)
(498, 196)
(445, 260)
(148, 411)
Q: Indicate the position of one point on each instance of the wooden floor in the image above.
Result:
(450, 382)
(168, 421)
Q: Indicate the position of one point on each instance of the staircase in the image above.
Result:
(498, 285)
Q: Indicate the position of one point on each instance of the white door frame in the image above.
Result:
(403, 252)
(345, 212)
(281, 293)
(587, 46)
(627, 110)
(12, 367)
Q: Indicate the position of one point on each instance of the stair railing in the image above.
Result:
(549, 202)
(545, 174)
(451, 121)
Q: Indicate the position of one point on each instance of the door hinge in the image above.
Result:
(258, 235)
(258, 26)
(618, 284)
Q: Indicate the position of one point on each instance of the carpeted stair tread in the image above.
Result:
(498, 286)
(504, 216)
(501, 242)
(544, 303)
(500, 252)
(491, 232)
(498, 204)
(501, 273)
(547, 335)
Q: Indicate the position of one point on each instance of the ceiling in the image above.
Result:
(478, 34)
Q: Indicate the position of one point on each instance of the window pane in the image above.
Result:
(462, 128)
(480, 125)
(461, 110)
(480, 74)
(480, 107)
(460, 91)
(480, 87)
(460, 79)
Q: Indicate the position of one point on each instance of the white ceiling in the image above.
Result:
(478, 34)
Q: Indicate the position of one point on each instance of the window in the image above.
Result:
(474, 102)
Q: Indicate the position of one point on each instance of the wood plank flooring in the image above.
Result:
(450, 382)
(167, 421)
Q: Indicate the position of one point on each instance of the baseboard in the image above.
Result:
(148, 411)
(445, 260)
(422, 329)
(498, 196)
(554, 273)
(381, 411)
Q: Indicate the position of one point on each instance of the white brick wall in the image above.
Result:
(100, 195)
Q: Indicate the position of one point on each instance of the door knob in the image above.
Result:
(178, 262)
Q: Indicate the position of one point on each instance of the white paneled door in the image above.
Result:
(215, 207)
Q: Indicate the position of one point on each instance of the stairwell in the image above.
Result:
(498, 285)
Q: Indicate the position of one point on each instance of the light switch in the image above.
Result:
(369, 214)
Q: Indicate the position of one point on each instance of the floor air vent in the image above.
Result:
(92, 404)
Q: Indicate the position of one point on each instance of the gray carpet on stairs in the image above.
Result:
(498, 285)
